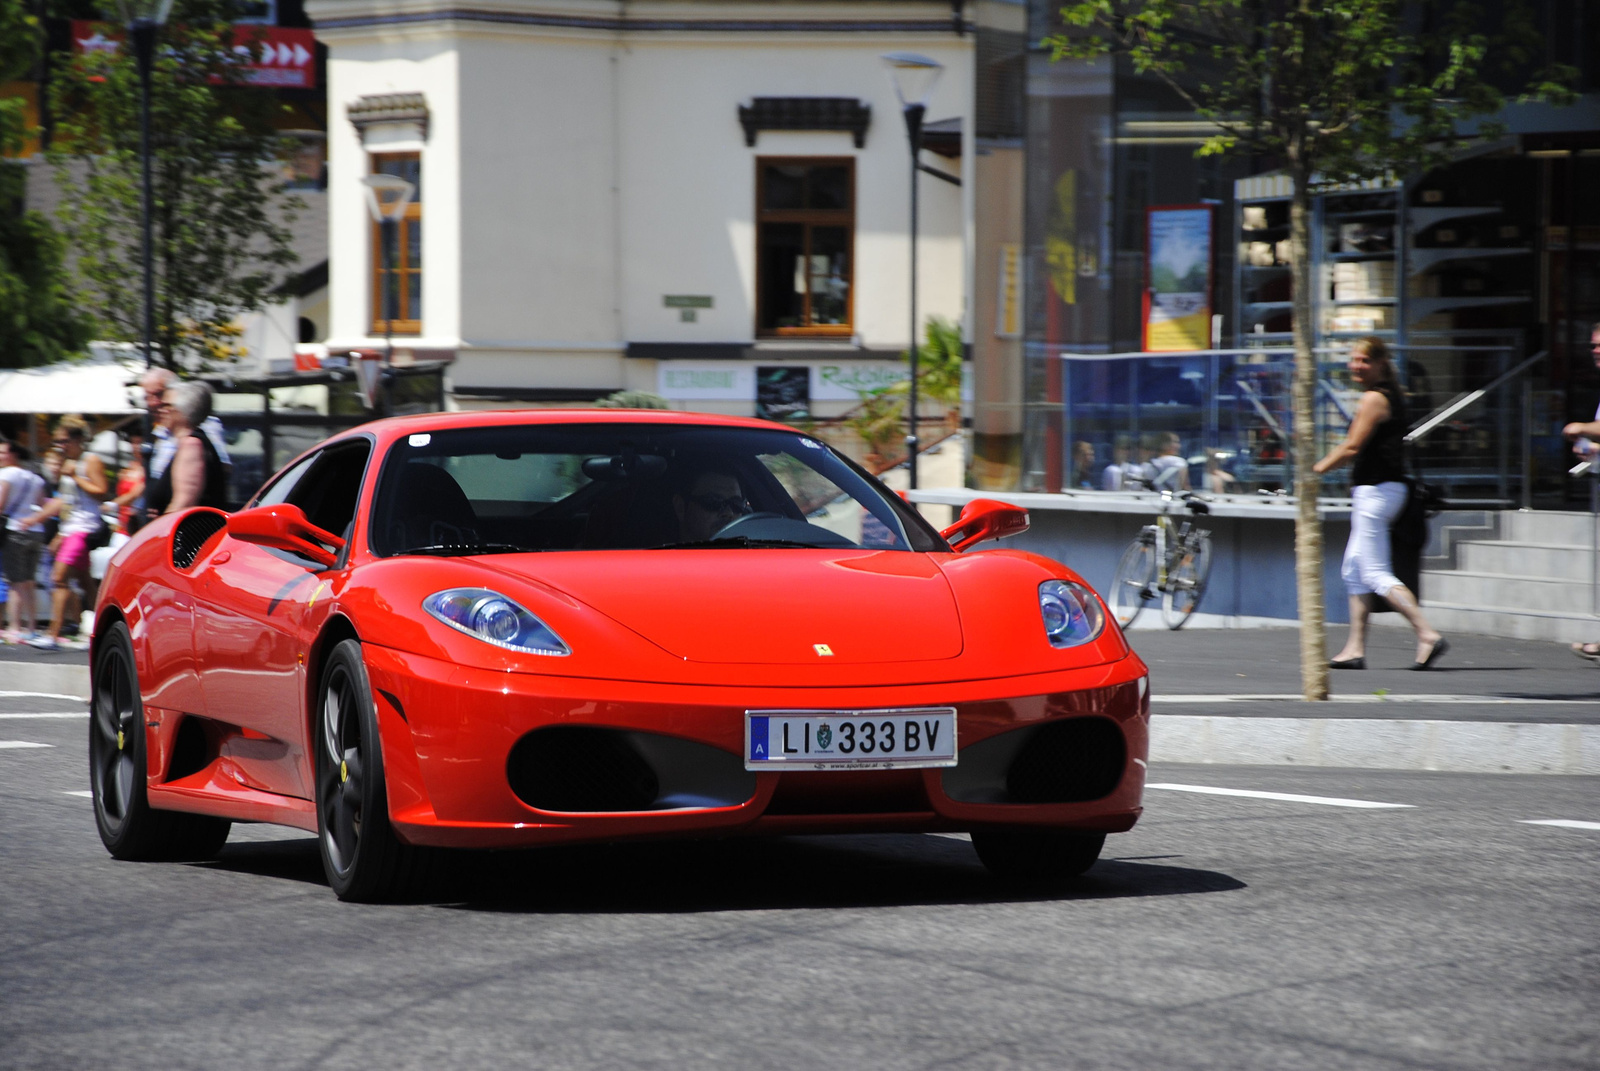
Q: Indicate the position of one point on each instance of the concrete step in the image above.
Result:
(1546, 526)
(1508, 592)
(1549, 561)
(1496, 621)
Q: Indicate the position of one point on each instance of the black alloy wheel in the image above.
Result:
(1038, 858)
(129, 827)
(361, 854)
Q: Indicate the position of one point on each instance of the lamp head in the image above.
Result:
(387, 196)
(914, 77)
(144, 12)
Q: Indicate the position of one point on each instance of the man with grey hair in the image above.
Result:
(194, 477)
(163, 445)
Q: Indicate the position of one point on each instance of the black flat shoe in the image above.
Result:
(1439, 648)
(1347, 663)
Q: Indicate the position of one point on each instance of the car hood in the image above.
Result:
(773, 607)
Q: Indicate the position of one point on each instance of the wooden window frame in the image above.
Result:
(810, 217)
(401, 325)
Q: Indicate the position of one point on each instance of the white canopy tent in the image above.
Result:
(97, 386)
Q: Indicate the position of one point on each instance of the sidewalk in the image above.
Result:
(1490, 705)
(63, 672)
(1232, 696)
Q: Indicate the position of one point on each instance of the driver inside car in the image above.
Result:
(706, 503)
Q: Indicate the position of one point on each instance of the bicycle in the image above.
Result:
(1172, 558)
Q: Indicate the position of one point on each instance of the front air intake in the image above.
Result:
(571, 768)
(592, 769)
(1068, 762)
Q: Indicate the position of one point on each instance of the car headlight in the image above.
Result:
(1071, 612)
(493, 618)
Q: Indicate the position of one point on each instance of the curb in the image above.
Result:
(1351, 743)
(1378, 744)
(45, 677)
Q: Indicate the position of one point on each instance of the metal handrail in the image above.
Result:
(1462, 401)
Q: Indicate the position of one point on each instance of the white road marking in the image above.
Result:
(6, 744)
(85, 793)
(1287, 797)
(1564, 823)
(43, 695)
(41, 714)
(1369, 697)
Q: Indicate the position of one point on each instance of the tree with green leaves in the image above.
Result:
(37, 321)
(1337, 91)
(221, 215)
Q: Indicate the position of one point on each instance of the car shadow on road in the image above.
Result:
(858, 870)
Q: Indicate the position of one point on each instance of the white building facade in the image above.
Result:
(679, 196)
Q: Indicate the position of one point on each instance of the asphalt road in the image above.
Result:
(1228, 932)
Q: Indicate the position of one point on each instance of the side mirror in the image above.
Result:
(284, 527)
(985, 518)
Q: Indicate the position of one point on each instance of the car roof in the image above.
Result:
(391, 428)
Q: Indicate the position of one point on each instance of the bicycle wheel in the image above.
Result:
(1132, 586)
(1186, 579)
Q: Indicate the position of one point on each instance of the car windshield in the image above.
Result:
(627, 486)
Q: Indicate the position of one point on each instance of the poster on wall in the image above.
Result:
(1178, 284)
(783, 392)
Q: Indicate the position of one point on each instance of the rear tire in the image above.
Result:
(1131, 586)
(1186, 582)
(119, 770)
(364, 859)
(1037, 857)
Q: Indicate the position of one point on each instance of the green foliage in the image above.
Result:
(879, 419)
(633, 399)
(220, 215)
(1344, 89)
(37, 321)
(939, 362)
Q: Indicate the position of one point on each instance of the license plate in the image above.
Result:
(849, 739)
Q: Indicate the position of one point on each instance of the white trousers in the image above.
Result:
(1374, 509)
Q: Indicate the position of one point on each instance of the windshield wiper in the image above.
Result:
(737, 541)
(452, 549)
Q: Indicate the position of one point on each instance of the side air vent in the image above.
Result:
(193, 533)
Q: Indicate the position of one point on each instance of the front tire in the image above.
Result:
(1132, 585)
(119, 769)
(361, 854)
(1037, 857)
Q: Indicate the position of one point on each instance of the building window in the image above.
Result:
(805, 246)
(406, 256)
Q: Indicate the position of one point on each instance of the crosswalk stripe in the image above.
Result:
(1564, 823)
(17, 744)
(46, 714)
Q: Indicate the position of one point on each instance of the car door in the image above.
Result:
(250, 607)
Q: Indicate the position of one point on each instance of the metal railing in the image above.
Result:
(1233, 413)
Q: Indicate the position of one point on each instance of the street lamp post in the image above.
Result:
(914, 78)
(143, 18)
(387, 198)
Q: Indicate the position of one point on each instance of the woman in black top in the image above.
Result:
(1378, 495)
(195, 476)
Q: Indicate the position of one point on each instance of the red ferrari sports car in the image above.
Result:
(497, 630)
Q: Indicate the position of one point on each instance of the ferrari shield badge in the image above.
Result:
(822, 649)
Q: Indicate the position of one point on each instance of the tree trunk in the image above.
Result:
(1308, 554)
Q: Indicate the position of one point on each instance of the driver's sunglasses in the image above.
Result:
(718, 504)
